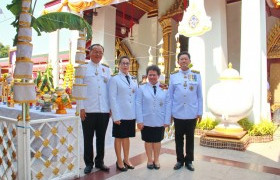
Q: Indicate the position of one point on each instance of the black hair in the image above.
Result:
(183, 53)
(153, 68)
(93, 45)
(123, 57)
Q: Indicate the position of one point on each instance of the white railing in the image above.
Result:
(8, 151)
(39, 149)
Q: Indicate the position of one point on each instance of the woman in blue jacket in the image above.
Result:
(153, 114)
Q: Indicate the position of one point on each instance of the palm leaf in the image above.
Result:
(15, 7)
(58, 20)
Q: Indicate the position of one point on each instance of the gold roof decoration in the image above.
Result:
(273, 42)
(230, 74)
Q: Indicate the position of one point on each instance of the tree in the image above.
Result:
(4, 50)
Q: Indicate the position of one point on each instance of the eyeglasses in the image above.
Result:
(125, 64)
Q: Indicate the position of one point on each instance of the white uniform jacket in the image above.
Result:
(186, 94)
(122, 96)
(153, 110)
(97, 79)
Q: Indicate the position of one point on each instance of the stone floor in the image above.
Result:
(259, 161)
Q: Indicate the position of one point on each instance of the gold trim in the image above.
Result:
(80, 61)
(23, 59)
(23, 84)
(24, 23)
(26, 9)
(47, 164)
(39, 175)
(27, 38)
(81, 48)
(25, 101)
(55, 171)
(25, 43)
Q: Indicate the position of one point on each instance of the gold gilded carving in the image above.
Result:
(14, 155)
(55, 171)
(69, 129)
(38, 154)
(4, 152)
(46, 142)
(9, 163)
(145, 5)
(1, 161)
(1, 140)
(70, 148)
(39, 175)
(9, 143)
(273, 42)
(14, 175)
(62, 140)
(5, 131)
(14, 132)
(54, 130)
(37, 133)
(47, 164)
(63, 159)
(70, 166)
(55, 152)
(176, 8)
(122, 50)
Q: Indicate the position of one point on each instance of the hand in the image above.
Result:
(83, 114)
(140, 126)
(166, 125)
(198, 118)
(117, 122)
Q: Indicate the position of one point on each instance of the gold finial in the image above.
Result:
(230, 65)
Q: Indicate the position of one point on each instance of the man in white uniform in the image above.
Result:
(95, 111)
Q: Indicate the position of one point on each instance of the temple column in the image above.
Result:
(253, 54)
(168, 44)
(53, 55)
(103, 28)
(209, 51)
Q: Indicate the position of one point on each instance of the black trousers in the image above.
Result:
(94, 123)
(184, 128)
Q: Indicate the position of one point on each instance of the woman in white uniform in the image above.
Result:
(122, 98)
(153, 115)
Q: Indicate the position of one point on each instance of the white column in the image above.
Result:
(103, 28)
(209, 51)
(253, 54)
(53, 55)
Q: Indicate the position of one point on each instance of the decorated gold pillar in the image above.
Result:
(166, 35)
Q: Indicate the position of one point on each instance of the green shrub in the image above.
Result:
(246, 124)
(265, 127)
(207, 123)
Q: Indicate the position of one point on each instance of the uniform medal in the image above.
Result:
(185, 84)
(161, 103)
(191, 88)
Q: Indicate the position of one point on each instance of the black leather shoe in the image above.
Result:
(190, 166)
(121, 168)
(128, 166)
(178, 165)
(102, 167)
(87, 169)
(157, 167)
(150, 166)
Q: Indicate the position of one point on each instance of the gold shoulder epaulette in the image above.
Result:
(114, 74)
(142, 83)
(195, 71)
(106, 65)
(174, 72)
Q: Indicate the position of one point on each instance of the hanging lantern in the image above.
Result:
(150, 57)
(195, 22)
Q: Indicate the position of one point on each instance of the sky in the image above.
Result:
(40, 43)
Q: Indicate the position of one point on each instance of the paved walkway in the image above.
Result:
(259, 162)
